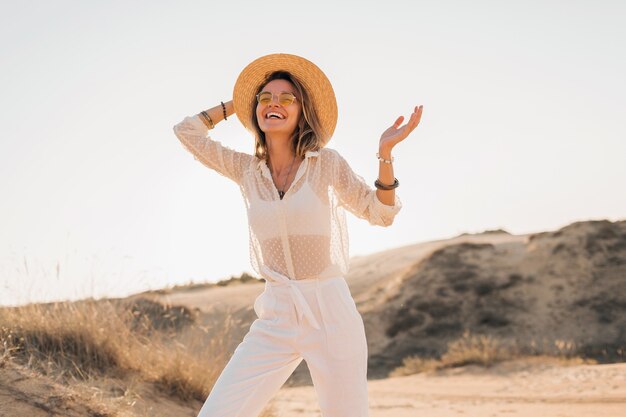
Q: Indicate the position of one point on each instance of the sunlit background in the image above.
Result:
(523, 127)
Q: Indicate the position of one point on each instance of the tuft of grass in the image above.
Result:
(65, 339)
(189, 372)
(416, 365)
(149, 315)
(475, 350)
(83, 341)
(484, 350)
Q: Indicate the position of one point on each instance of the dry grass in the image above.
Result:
(74, 342)
(475, 350)
(66, 339)
(487, 351)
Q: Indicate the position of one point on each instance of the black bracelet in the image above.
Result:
(386, 187)
(224, 110)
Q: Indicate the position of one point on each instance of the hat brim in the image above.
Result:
(312, 78)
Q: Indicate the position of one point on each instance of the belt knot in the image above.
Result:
(302, 307)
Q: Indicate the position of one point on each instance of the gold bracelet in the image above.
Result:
(381, 159)
(206, 119)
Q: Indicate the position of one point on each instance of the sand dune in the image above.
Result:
(565, 286)
(568, 285)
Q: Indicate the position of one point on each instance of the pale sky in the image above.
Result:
(523, 126)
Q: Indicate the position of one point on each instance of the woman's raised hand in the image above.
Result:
(396, 133)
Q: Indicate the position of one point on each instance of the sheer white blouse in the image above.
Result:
(304, 235)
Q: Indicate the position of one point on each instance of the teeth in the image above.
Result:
(270, 114)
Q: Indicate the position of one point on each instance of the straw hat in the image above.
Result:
(314, 81)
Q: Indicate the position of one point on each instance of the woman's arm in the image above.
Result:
(390, 138)
(217, 113)
(385, 175)
(378, 206)
(193, 134)
(356, 196)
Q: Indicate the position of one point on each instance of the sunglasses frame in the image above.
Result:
(258, 97)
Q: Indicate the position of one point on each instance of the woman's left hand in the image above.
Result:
(396, 133)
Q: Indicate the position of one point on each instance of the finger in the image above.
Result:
(414, 120)
(416, 117)
(398, 122)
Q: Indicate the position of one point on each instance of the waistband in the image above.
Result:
(276, 279)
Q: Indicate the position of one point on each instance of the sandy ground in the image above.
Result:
(513, 389)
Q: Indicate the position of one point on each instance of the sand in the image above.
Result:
(517, 389)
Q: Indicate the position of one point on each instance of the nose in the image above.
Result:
(274, 101)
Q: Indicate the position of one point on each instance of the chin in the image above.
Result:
(276, 129)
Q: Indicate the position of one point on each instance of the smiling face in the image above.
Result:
(275, 119)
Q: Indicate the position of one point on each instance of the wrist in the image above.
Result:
(387, 160)
(384, 152)
(206, 119)
(230, 109)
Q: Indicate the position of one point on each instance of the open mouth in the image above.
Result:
(274, 115)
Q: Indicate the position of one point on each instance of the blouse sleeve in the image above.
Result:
(193, 134)
(359, 198)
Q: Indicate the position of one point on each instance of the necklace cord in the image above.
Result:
(281, 193)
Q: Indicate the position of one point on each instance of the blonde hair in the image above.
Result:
(308, 135)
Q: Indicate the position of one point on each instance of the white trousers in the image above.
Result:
(315, 320)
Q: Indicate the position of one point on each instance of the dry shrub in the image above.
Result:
(475, 350)
(557, 348)
(487, 351)
(92, 339)
(66, 339)
(149, 315)
(189, 371)
(415, 365)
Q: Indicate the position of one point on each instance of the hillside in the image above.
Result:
(558, 294)
(561, 291)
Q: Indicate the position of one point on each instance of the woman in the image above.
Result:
(295, 190)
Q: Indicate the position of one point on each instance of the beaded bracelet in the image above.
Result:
(386, 187)
(224, 109)
(381, 159)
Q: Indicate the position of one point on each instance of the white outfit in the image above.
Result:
(300, 246)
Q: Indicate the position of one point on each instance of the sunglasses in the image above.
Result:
(266, 97)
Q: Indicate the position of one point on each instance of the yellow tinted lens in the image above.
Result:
(265, 98)
(286, 99)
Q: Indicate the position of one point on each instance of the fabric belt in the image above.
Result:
(302, 307)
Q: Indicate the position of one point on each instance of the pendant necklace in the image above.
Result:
(281, 194)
